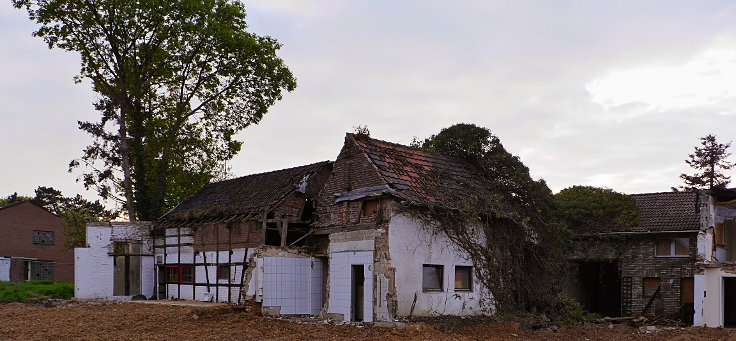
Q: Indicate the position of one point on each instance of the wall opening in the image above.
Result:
(127, 269)
(729, 302)
(358, 290)
(600, 287)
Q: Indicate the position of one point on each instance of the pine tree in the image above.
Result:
(710, 159)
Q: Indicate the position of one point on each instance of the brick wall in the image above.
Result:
(352, 170)
(220, 237)
(16, 228)
(636, 259)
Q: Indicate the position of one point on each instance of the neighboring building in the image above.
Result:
(646, 269)
(32, 246)
(330, 239)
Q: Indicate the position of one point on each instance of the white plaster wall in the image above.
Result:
(4, 269)
(709, 297)
(340, 267)
(294, 284)
(93, 267)
(412, 246)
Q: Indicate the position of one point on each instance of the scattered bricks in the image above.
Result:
(271, 311)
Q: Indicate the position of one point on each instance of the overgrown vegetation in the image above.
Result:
(506, 222)
(589, 209)
(35, 290)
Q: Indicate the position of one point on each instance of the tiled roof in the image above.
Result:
(667, 211)
(251, 194)
(415, 175)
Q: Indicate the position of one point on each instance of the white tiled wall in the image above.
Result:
(294, 284)
(341, 282)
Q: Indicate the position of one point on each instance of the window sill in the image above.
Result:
(429, 291)
(463, 290)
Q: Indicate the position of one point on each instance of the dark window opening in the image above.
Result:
(273, 237)
(43, 237)
(223, 272)
(432, 277)
(358, 288)
(463, 278)
(308, 210)
(187, 274)
(370, 207)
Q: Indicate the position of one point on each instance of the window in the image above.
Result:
(43, 237)
(187, 274)
(432, 277)
(223, 272)
(463, 278)
(370, 207)
(650, 285)
(42, 270)
(172, 274)
(672, 247)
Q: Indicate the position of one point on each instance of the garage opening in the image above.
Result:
(600, 287)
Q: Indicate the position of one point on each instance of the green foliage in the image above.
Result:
(567, 310)
(177, 80)
(33, 290)
(594, 209)
(710, 159)
(13, 198)
(521, 241)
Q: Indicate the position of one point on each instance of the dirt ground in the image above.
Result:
(135, 321)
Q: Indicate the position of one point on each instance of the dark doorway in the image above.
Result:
(600, 286)
(729, 302)
(358, 285)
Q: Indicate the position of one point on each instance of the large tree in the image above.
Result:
(177, 80)
(517, 240)
(709, 161)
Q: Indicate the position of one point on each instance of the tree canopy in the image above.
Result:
(177, 80)
(711, 160)
(594, 209)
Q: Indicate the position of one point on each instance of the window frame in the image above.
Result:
(37, 240)
(673, 247)
(441, 275)
(167, 272)
(181, 274)
(469, 269)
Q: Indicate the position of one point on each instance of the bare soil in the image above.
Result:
(71, 320)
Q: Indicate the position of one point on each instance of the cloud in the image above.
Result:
(707, 81)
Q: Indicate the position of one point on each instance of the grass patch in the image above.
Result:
(35, 290)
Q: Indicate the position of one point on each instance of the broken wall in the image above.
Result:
(94, 265)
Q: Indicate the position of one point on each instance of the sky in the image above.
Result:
(602, 93)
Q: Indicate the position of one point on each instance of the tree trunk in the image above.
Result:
(125, 164)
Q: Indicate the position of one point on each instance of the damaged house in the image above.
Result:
(643, 269)
(335, 239)
(199, 249)
(715, 280)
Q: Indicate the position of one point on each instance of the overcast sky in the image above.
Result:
(603, 93)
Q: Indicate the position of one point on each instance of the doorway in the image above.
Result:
(358, 290)
(600, 287)
(729, 302)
